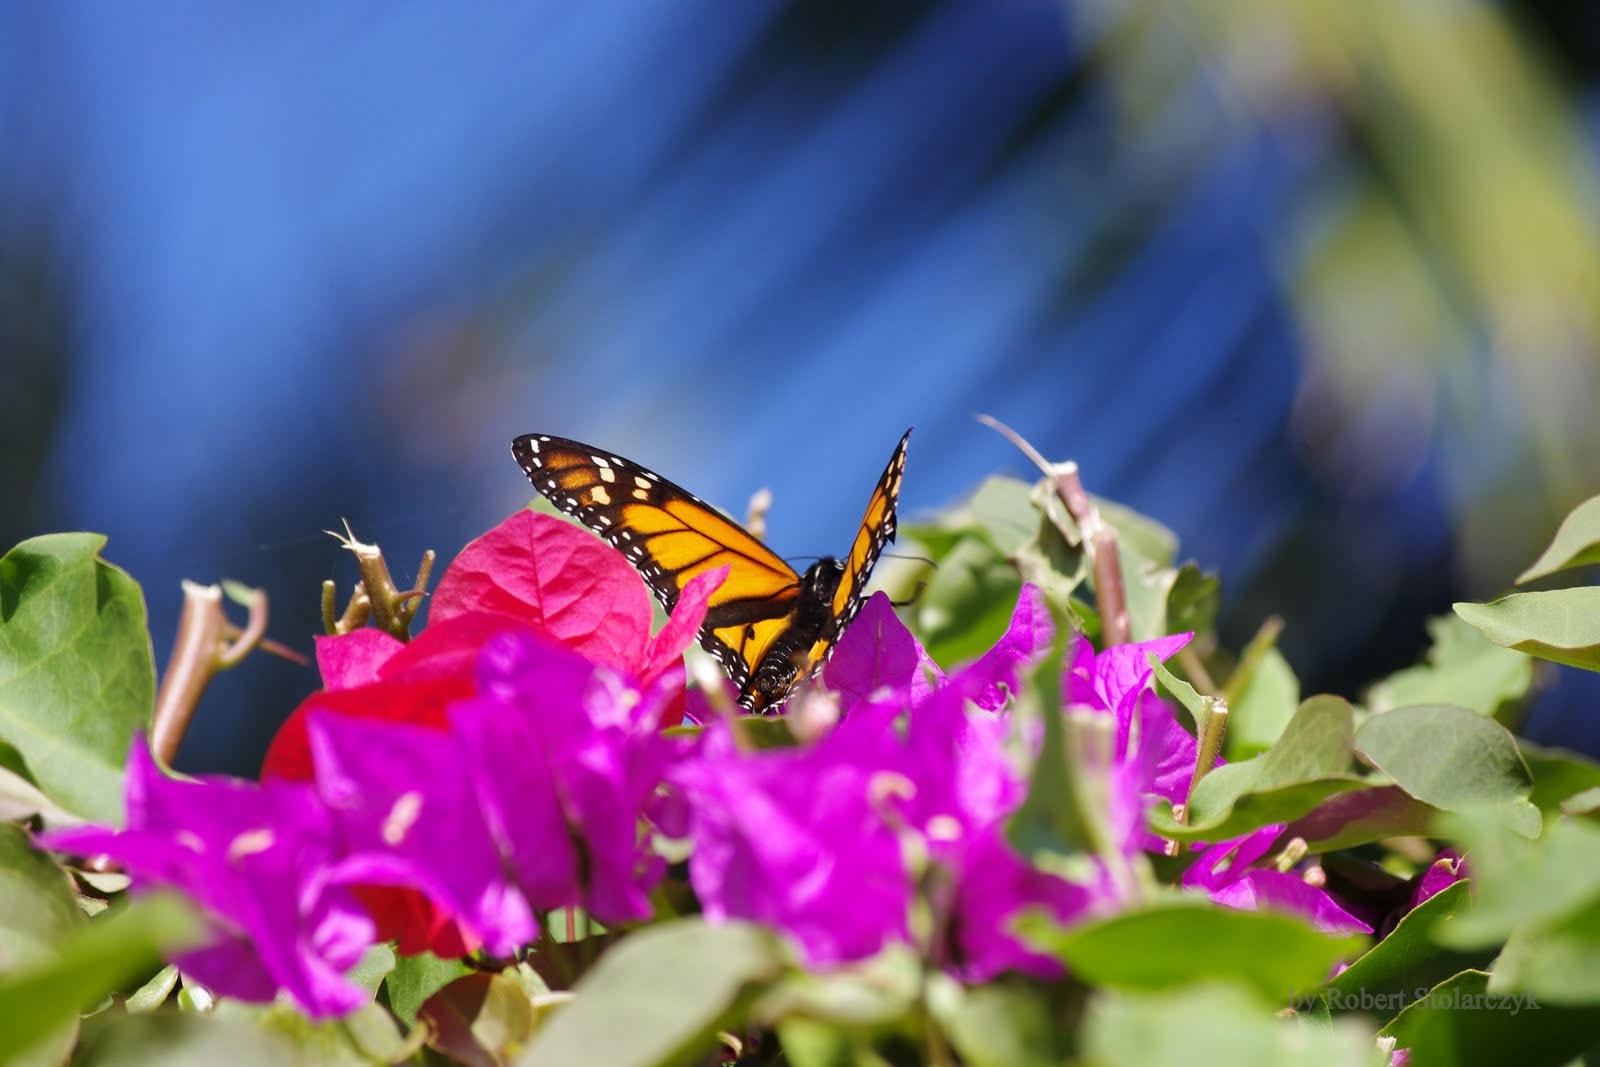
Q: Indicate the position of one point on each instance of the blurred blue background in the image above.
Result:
(1328, 314)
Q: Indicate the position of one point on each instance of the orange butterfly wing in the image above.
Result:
(670, 536)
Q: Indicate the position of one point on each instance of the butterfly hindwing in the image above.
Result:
(878, 527)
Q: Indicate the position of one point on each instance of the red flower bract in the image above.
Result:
(533, 575)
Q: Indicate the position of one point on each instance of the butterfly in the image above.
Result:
(769, 626)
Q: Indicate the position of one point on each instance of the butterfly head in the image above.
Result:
(821, 579)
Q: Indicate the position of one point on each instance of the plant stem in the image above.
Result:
(391, 608)
(193, 661)
(1212, 732)
(1265, 638)
(1098, 537)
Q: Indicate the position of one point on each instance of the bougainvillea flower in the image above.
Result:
(878, 659)
(555, 577)
(802, 839)
(579, 592)
(347, 660)
(876, 652)
(567, 757)
(572, 587)
(993, 886)
(403, 801)
(1447, 868)
(416, 684)
(967, 779)
(1226, 873)
(1116, 678)
(958, 756)
(257, 859)
(1149, 737)
(1028, 635)
(413, 685)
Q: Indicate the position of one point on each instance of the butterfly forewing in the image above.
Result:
(670, 536)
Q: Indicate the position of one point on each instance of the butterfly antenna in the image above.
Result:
(916, 594)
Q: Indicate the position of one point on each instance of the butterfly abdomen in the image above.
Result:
(803, 643)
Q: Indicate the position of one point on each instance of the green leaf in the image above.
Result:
(1558, 963)
(1176, 941)
(87, 964)
(479, 1018)
(1198, 707)
(762, 731)
(1458, 1023)
(668, 985)
(1405, 961)
(1557, 774)
(1452, 758)
(1521, 884)
(415, 979)
(1576, 544)
(1002, 510)
(155, 992)
(1138, 533)
(1065, 809)
(1561, 625)
(1144, 588)
(968, 600)
(1049, 562)
(373, 967)
(1216, 1024)
(1306, 766)
(367, 1036)
(1003, 1024)
(1463, 667)
(1193, 600)
(809, 1043)
(1361, 816)
(1260, 714)
(39, 909)
(21, 799)
(76, 673)
(874, 993)
(187, 1040)
(1317, 743)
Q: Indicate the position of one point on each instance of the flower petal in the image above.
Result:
(352, 659)
(876, 651)
(1027, 637)
(554, 576)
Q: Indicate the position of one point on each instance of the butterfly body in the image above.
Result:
(769, 626)
(809, 636)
